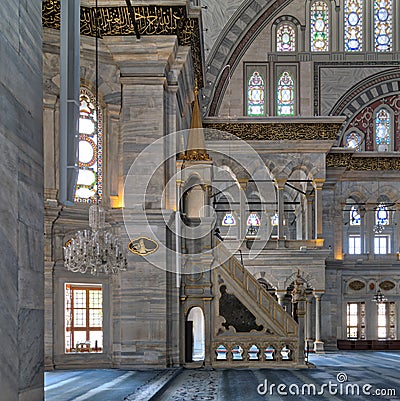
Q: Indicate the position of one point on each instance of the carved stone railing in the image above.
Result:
(276, 345)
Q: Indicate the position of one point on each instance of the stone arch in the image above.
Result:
(233, 42)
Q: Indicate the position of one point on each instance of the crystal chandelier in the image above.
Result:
(378, 228)
(379, 297)
(96, 250)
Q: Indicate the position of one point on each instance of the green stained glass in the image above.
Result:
(285, 95)
(319, 27)
(255, 95)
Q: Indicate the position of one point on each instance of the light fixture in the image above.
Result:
(379, 297)
(96, 250)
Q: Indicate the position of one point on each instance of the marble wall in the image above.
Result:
(21, 202)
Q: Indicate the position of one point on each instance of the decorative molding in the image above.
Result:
(273, 131)
(348, 161)
(142, 246)
(387, 285)
(151, 20)
(357, 285)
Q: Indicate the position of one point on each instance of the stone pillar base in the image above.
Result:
(309, 344)
(319, 347)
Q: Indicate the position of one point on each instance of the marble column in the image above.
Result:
(308, 325)
(369, 230)
(318, 344)
(280, 186)
(362, 230)
(309, 214)
(318, 183)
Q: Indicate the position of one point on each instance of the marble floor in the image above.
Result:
(337, 376)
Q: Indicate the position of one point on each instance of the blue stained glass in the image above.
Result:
(255, 95)
(382, 215)
(383, 23)
(253, 220)
(228, 220)
(355, 218)
(353, 21)
(275, 219)
(353, 140)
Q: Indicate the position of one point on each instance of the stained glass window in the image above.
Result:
(255, 95)
(285, 39)
(275, 219)
(383, 25)
(90, 150)
(382, 215)
(353, 21)
(355, 218)
(253, 224)
(382, 128)
(353, 140)
(253, 220)
(228, 220)
(319, 27)
(285, 95)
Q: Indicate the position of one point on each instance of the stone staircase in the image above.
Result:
(251, 329)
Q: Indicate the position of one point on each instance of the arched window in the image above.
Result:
(253, 224)
(382, 129)
(382, 215)
(285, 95)
(228, 220)
(255, 95)
(353, 21)
(285, 38)
(383, 25)
(89, 187)
(353, 140)
(355, 218)
(274, 220)
(319, 27)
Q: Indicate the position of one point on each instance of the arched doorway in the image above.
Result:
(195, 336)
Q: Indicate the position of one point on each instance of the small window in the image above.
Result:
(355, 218)
(83, 318)
(256, 95)
(354, 245)
(383, 25)
(285, 95)
(275, 220)
(382, 129)
(228, 220)
(285, 38)
(353, 22)
(353, 140)
(319, 27)
(381, 244)
(386, 321)
(382, 215)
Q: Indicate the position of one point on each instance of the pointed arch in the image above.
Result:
(285, 38)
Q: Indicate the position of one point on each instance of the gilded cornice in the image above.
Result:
(150, 19)
(274, 131)
(351, 162)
